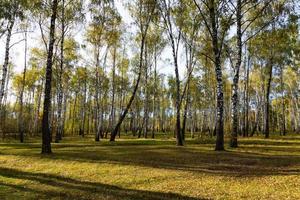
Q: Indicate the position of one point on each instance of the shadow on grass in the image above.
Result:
(70, 188)
(225, 164)
(228, 163)
(282, 142)
(262, 160)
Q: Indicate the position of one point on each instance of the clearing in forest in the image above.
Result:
(151, 169)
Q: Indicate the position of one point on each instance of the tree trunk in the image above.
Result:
(247, 98)
(283, 128)
(112, 114)
(267, 102)
(64, 114)
(146, 94)
(21, 120)
(59, 129)
(6, 60)
(83, 106)
(154, 108)
(98, 110)
(218, 70)
(74, 113)
(37, 112)
(220, 108)
(179, 140)
(46, 142)
(123, 115)
(187, 102)
(235, 85)
(4, 76)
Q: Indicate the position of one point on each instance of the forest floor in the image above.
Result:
(151, 169)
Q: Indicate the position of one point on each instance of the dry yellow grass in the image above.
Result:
(151, 169)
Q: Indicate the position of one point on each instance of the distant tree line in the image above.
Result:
(235, 67)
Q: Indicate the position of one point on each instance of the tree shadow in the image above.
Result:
(239, 164)
(70, 188)
(281, 142)
(247, 160)
(228, 163)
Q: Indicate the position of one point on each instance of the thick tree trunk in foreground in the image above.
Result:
(220, 110)
(179, 140)
(219, 77)
(217, 35)
(235, 85)
(46, 141)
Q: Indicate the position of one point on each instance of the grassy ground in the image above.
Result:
(151, 169)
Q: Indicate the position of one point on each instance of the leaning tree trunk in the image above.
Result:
(6, 60)
(123, 115)
(46, 141)
(144, 30)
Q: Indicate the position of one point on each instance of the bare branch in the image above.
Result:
(257, 16)
(16, 43)
(203, 17)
